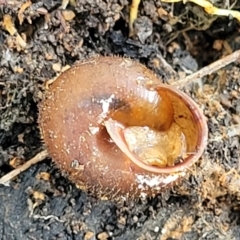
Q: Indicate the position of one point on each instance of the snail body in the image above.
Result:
(117, 131)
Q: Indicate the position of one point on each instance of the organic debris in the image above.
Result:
(9, 26)
(210, 8)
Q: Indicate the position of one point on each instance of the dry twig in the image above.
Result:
(133, 15)
(38, 158)
(213, 67)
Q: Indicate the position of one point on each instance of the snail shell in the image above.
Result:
(117, 131)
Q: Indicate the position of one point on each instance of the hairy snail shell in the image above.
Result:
(117, 131)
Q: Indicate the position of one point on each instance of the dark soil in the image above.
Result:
(41, 203)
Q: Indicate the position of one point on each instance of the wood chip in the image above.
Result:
(9, 26)
(21, 11)
(38, 195)
(68, 15)
(88, 235)
(44, 176)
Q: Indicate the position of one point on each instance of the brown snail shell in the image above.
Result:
(117, 131)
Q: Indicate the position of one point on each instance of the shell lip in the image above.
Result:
(115, 128)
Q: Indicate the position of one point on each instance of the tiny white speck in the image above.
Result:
(140, 78)
(93, 130)
(106, 103)
(105, 107)
(156, 182)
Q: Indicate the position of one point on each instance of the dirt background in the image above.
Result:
(171, 39)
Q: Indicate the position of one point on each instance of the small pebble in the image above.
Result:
(102, 236)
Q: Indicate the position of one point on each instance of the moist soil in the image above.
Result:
(173, 40)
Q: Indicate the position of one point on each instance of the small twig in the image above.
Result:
(133, 15)
(38, 158)
(213, 67)
(66, 2)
